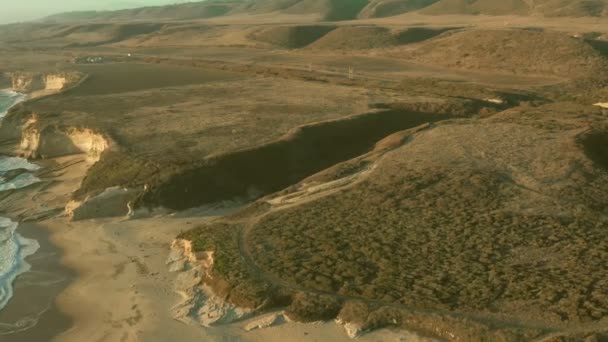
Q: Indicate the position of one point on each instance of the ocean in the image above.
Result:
(15, 173)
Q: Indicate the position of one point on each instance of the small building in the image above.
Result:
(89, 60)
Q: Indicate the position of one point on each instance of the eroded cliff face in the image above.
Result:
(38, 141)
(53, 141)
(30, 82)
(26, 82)
(198, 304)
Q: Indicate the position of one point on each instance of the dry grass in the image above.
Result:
(513, 51)
(106, 79)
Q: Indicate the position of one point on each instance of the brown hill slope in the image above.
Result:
(330, 10)
(387, 8)
(76, 34)
(197, 10)
(373, 37)
(334, 10)
(513, 51)
(326, 9)
(492, 7)
(356, 37)
(291, 36)
(578, 8)
(570, 8)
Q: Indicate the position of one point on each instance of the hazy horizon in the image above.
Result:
(26, 10)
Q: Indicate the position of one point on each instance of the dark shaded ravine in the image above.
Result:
(596, 148)
(274, 166)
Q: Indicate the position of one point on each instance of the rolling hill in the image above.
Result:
(548, 8)
(336, 10)
(513, 51)
(329, 10)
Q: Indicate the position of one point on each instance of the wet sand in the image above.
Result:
(32, 314)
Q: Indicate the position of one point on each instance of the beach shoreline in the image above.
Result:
(35, 292)
(118, 286)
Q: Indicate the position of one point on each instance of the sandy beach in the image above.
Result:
(32, 314)
(120, 287)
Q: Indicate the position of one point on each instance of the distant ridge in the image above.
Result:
(548, 8)
(329, 10)
(336, 10)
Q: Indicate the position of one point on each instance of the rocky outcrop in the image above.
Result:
(29, 82)
(198, 304)
(53, 141)
(266, 321)
(26, 82)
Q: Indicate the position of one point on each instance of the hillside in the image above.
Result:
(356, 37)
(388, 8)
(550, 8)
(491, 7)
(330, 10)
(197, 10)
(335, 10)
(291, 36)
(466, 219)
(512, 51)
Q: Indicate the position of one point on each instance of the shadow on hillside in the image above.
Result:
(274, 166)
(596, 148)
(418, 34)
(599, 45)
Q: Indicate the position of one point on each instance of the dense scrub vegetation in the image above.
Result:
(451, 247)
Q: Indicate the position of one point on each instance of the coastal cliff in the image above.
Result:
(30, 82)
(54, 141)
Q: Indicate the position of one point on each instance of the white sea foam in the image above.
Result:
(14, 163)
(13, 247)
(9, 98)
(13, 251)
(21, 181)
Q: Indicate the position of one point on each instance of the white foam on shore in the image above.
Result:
(13, 247)
(13, 250)
(21, 181)
(13, 98)
(14, 163)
